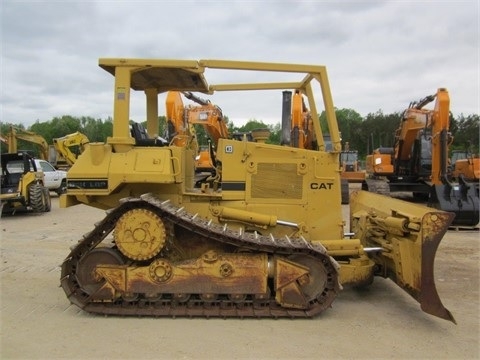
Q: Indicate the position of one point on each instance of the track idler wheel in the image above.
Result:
(86, 274)
(299, 280)
(316, 280)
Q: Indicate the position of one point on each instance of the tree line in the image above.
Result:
(362, 133)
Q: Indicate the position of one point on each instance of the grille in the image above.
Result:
(275, 181)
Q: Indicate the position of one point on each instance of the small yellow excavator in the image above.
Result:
(68, 148)
(16, 134)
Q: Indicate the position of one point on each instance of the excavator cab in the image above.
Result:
(420, 164)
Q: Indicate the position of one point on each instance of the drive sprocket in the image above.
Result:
(139, 234)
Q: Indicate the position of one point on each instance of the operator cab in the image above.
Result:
(14, 166)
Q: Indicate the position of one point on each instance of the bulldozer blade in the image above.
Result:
(407, 237)
(461, 199)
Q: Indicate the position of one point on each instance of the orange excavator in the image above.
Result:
(301, 124)
(181, 121)
(418, 162)
(465, 164)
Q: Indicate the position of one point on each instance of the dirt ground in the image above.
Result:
(37, 321)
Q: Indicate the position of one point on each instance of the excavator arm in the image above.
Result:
(459, 197)
(302, 125)
(415, 119)
(20, 134)
(209, 116)
(70, 146)
(180, 125)
(182, 118)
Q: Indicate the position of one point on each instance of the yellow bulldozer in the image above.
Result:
(350, 165)
(265, 238)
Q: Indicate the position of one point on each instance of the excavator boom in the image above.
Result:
(19, 134)
(70, 146)
(460, 197)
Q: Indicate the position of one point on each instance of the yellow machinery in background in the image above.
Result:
(16, 134)
(66, 149)
(350, 166)
(62, 154)
(22, 184)
(266, 238)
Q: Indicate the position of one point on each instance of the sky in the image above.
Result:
(379, 55)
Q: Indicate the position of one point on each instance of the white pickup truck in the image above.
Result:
(55, 180)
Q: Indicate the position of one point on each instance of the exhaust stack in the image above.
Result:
(286, 117)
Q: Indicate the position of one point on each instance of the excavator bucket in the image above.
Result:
(460, 198)
(402, 238)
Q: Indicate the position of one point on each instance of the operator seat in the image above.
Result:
(140, 135)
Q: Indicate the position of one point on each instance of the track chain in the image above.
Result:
(195, 307)
(378, 186)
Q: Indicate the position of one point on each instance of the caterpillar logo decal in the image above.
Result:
(321, 186)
